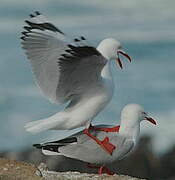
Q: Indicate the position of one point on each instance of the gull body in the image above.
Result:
(81, 147)
(68, 71)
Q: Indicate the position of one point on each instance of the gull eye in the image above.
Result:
(144, 113)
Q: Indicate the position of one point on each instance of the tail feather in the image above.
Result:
(38, 146)
(50, 153)
(48, 149)
(52, 148)
(56, 121)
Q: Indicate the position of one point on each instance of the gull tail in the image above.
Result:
(57, 121)
(52, 148)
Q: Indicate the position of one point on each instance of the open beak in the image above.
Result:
(150, 120)
(118, 57)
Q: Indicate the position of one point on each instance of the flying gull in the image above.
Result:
(70, 71)
(81, 147)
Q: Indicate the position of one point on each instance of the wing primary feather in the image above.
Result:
(67, 140)
(31, 15)
(23, 38)
(76, 40)
(61, 59)
(37, 13)
(38, 146)
(54, 145)
(27, 28)
(82, 38)
(43, 26)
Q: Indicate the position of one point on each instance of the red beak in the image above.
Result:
(151, 120)
(118, 58)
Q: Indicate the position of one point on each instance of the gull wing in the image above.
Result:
(63, 68)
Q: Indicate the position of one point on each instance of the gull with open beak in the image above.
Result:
(119, 51)
(70, 71)
(81, 147)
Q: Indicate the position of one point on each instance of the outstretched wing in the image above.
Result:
(63, 68)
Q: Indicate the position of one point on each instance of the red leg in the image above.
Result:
(104, 169)
(100, 170)
(105, 144)
(108, 171)
(113, 129)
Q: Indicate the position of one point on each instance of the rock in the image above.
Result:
(50, 175)
(15, 170)
(146, 163)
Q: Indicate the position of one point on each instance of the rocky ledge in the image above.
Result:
(16, 170)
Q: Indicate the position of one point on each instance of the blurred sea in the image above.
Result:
(147, 31)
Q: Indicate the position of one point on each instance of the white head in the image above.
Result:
(133, 114)
(110, 49)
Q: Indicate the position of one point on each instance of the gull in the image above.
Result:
(69, 71)
(81, 147)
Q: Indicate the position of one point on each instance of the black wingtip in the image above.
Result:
(24, 33)
(37, 13)
(22, 38)
(27, 28)
(28, 22)
(82, 38)
(76, 40)
(31, 15)
(70, 46)
(39, 146)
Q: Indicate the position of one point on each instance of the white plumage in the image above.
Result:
(81, 147)
(69, 71)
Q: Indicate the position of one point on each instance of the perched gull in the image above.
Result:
(79, 146)
(69, 71)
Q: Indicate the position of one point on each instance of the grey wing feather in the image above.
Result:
(128, 149)
(124, 148)
(80, 71)
(54, 145)
(62, 68)
(44, 43)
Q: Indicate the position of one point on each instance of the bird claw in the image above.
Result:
(104, 169)
(101, 169)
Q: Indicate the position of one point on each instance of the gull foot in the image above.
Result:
(104, 169)
(101, 169)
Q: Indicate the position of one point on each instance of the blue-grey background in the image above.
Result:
(146, 30)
